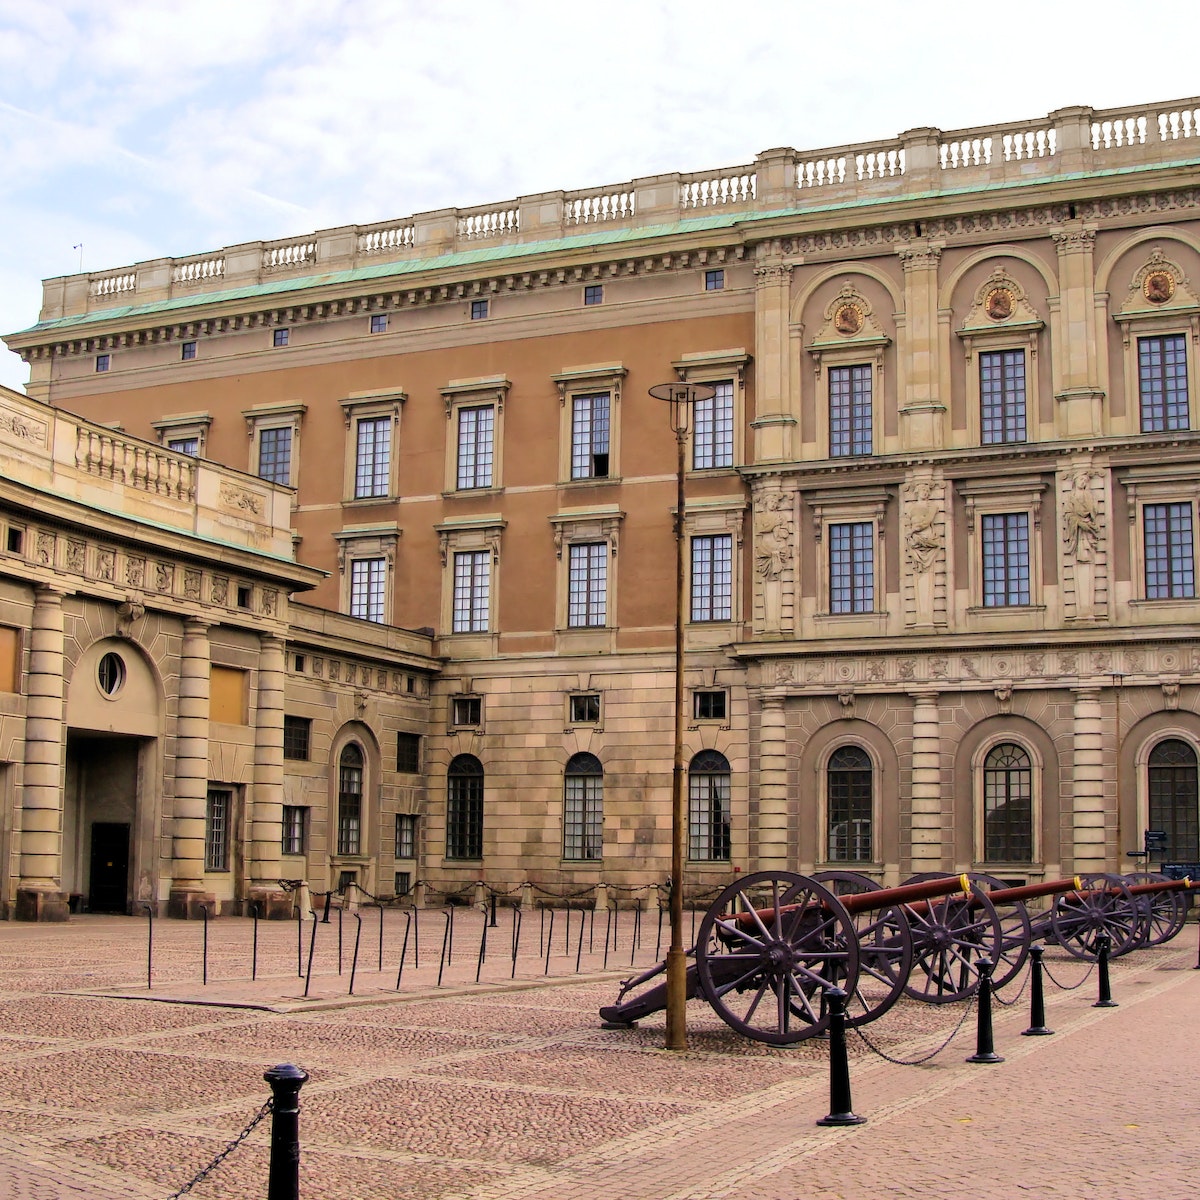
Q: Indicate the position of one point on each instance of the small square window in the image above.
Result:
(466, 710)
(280, 337)
(585, 709)
(709, 706)
(187, 351)
(298, 664)
(714, 281)
(479, 310)
(408, 753)
(103, 362)
(593, 293)
(410, 684)
(16, 539)
(296, 736)
(379, 323)
(243, 596)
(403, 883)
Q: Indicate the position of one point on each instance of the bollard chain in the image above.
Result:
(1020, 992)
(1062, 987)
(204, 1172)
(916, 1062)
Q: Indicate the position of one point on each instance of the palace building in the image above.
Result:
(940, 533)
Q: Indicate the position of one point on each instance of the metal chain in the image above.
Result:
(204, 1172)
(1062, 987)
(1020, 993)
(916, 1062)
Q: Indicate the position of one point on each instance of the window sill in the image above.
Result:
(476, 493)
(590, 481)
(367, 501)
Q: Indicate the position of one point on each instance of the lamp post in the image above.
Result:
(681, 397)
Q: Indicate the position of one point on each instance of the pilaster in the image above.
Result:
(1089, 823)
(922, 413)
(773, 786)
(927, 818)
(1078, 408)
(266, 827)
(191, 774)
(775, 423)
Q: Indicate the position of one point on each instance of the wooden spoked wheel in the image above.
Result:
(1163, 912)
(950, 935)
(1103, 905)
(767, 949)
(1016, 932)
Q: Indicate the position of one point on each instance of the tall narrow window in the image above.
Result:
(1005, 559)
(1002, 396)
(275, 454)
(367, 582)
(350, 800)
(850, 429)
(1162, 383)
(712, 442)
(1170, 560)
(583, 808)
(712, 577)
(1174, 802)
(587, 590)
(708, 807)
(475, 433)
(472, 576)
(217, 812)
(850, 803)
(464, 808)
(294, 821)
(589, 436)
(1007, 805)
(406, 835)
(373, 457)
(297, 736)
(852, 567)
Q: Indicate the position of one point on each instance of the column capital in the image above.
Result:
(924, 696)
(50, 593)
(196, 626)
(1087, 691)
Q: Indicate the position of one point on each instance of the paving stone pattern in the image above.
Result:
(509, 1090)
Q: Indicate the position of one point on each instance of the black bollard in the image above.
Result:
(283, 1182)
(1037, 996)
(841, 1108)
(482, 948)
(204, 910)
(149, 944)
(1103, 945)
(325, 915)
(404, 946)
(984, 1050)
(339, 939)
(492, 923)
(254, 946)
(445, 939)
(312, 945)
(299, 942)
(354, 960)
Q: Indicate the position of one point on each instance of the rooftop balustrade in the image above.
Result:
(1070, 140)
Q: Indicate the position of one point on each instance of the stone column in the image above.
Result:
(1089, 849)
(191, 775)
(1078, 398)
(922, 412)
(775, 424)
(39, 893)
(927, 818)
(266, 826)
(772, 787)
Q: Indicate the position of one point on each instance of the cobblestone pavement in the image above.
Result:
(509, 1090)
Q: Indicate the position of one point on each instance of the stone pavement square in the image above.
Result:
(509, 1090)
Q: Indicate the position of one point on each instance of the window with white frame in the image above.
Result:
(476, 427)
(852, 567)
(475, 434)
(1169, 551)
(585, 541)
(470, 552)
(295, 820)
(851, 411)
(1003, 518)
(274, 431)
(406, 835)
(372, 422)
(366, 561)
(1002, 396)
(368, 584)
(185, 445)
(472, 583)
(185, 433)
(1004, 539)
(712, 428)
(1163, 383)
(850, 551)
(712, 577)
(587, 585)
(1007, 805)
(275, 455)
(589, 432)
(709, 803)
(850, 805)
(590, 426)
(583, 809)
(350, 800)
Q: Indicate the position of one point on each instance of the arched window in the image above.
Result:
(1007, 805)
(464, 807)
(708, 807)
(583, 808)
(850, 802)
(350, 800)
(1174, 804)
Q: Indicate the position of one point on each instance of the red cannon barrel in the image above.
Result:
(1163, 885)
(1031, 891)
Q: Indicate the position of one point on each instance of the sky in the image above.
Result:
(151, 128)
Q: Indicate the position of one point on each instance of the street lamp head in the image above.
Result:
(681, 396)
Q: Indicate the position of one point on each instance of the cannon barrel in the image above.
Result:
(1031, 891)
(1164, 885)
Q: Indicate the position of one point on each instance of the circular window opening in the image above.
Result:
(110, 674)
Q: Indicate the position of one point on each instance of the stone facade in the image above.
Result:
(941, 515)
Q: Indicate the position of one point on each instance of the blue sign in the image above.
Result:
(1181, 871)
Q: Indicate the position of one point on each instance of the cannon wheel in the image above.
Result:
(767, 948)
(1015, 930)
(1165, 911)
(950, 935)
(1103, 906)
(884, 949)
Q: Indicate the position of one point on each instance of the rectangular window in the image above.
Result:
(403, 882)
(1002, 396)
(297, 732)
(712, 442)
(1005, 559)
(294, 822)
(279, 337)
(712, 577)
(585, 709)
(189, 445)
(406, 835)
(849, 815)
(244, 596)
(275, 455)
(103, 362)
(373, 457)
(850, 410)
(1170, 562)
(587, 585)
(852, 567)
(367, 577)
(14, 539)
(714, 281)
(709, 705)
(466, 710)
(1162, 383)
(472, 575)
(217, 813)
(408, 753)
(589, 436)
(583, 818)
(379, 322)
(476, 430)
(187, 351)
(593, 293)
(479, 310)
(708, 815)
(10, 658)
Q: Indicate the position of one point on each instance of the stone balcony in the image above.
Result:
(921, 161)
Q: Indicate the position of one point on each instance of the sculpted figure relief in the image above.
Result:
(773, 536)
(922, 539)
(1081, 520)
